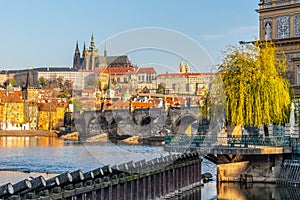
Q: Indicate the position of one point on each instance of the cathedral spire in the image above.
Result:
(84, 49)
(77, 48)
(92, 45)
(76, 60)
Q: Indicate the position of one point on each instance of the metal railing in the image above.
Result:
(231, 141)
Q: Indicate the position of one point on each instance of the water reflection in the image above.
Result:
(42, 154)
(256, 191)
(34, 141)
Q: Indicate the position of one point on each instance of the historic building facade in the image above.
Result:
(185, 82)
(279, 21)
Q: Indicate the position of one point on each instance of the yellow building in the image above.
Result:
(32, 94)
(51, 115)
(12, 109)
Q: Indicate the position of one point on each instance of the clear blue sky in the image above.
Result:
(44, 32)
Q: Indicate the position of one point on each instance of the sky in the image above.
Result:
(37, 33)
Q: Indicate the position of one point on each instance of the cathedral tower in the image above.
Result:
(91, 56)
(76, 61)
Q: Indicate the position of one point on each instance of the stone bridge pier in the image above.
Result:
(89, 123)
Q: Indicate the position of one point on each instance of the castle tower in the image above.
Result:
(187, 67)
(181, 67)
(29, 89)
(91, 55)
(76, 61)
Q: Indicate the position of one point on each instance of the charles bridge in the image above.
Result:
(145, 122)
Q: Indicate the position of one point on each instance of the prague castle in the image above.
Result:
(91, 60)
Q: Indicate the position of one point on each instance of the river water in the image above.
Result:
(53, 156)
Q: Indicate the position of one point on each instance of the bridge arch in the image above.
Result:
(182, 123)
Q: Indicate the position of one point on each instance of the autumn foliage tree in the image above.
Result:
(257, 92)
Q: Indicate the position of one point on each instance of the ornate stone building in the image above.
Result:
(184, 82)
(279, 21)
(91, 60)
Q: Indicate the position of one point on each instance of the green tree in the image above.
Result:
(10, 81)
(64, 94)
(42, 81)
(77, 105)
(91, 83)
(257, 92)
(161, 88)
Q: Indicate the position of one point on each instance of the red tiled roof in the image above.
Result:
(122, 70)
(187, 74)
(49, 107)
(146, 70)
(96, 70)
(11, 97)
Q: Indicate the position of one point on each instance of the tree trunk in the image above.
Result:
(266, 130)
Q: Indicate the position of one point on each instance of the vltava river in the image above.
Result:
(52, 155)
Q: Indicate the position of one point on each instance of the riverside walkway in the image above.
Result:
(158, 178)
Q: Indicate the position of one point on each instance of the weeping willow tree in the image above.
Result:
(257, 92)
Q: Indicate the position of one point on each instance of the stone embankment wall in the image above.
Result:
(260, 169)
(21, 133)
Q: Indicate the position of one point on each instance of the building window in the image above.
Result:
(297, 25)
(283, 27)
(283, 3)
